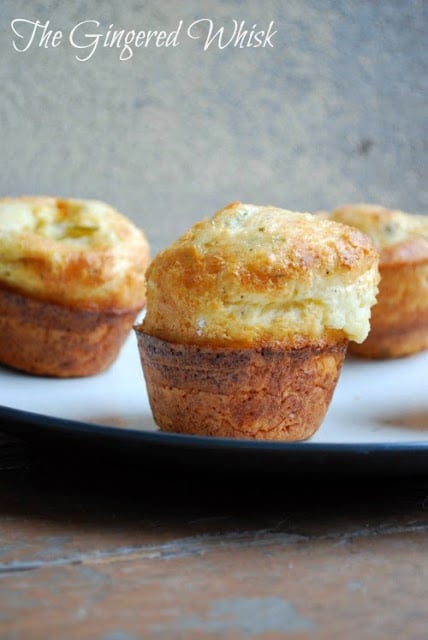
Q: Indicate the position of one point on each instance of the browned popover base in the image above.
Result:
(48, 339)
(258, 393)
(399, 322)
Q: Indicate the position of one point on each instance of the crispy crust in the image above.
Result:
(270, 394)
(253, 275)
(53, 340)
(78, 253)
(399, 320)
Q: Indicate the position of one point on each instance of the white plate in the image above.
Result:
(374, 401)
(377, 420)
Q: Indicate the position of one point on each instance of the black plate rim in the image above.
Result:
(16, 422)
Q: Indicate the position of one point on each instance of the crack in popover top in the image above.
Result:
(73, 252)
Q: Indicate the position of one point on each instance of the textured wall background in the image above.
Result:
(335, 112)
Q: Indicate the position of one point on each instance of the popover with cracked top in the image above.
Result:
(399, 323)
(248, 318)
(71, 284)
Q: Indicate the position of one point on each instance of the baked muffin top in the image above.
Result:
(400, 237)
(73, 252)
(259, 275)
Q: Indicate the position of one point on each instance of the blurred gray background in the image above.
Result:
(334, 112)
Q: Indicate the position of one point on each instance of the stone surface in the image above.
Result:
(334, 112)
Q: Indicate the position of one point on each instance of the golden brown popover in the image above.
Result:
(247, 321)
(399, 322)
(71, 284)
